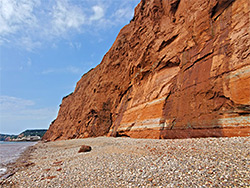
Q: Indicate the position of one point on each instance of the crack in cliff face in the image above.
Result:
(163, 63)
(199, 59)
(167, 42)
(219, 8)
(174, 6)
(143, 4)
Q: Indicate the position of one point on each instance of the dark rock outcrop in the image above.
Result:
(179, 69)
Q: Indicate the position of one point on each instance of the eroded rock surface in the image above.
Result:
(180, 69)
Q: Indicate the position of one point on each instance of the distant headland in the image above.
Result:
(27, 135)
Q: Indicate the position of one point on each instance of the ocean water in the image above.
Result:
(10, 151)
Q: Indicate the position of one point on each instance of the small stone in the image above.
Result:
(51, 177)
(57, 163)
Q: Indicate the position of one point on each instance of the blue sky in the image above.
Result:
(45, 48)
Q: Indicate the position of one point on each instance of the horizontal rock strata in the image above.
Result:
(180, 68)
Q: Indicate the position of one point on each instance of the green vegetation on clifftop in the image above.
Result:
(33, 132)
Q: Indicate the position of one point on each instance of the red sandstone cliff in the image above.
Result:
(181, 68)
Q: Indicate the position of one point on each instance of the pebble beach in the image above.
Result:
(127, 162)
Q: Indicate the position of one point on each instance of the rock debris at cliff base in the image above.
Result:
(126, 162)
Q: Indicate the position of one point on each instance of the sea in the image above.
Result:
(10, 151)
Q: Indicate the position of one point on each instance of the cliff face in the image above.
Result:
(181, 68)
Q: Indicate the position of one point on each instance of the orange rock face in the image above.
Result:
(180, 69)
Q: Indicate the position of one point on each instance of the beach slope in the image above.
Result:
(127, 162)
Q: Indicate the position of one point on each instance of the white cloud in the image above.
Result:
(75, 45)
(30, 24)
(13, 108)
(3, 40)
(123, 14)
(28, 44)
(17, 114)
(8, 103)
(74, 70)
(66, 16)
(16, 15)
(98, 13)
(70, 69)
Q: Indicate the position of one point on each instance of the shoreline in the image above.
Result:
(127, 162)
(15, 141)
(21, 163)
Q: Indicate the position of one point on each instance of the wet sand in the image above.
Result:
(20, 164)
